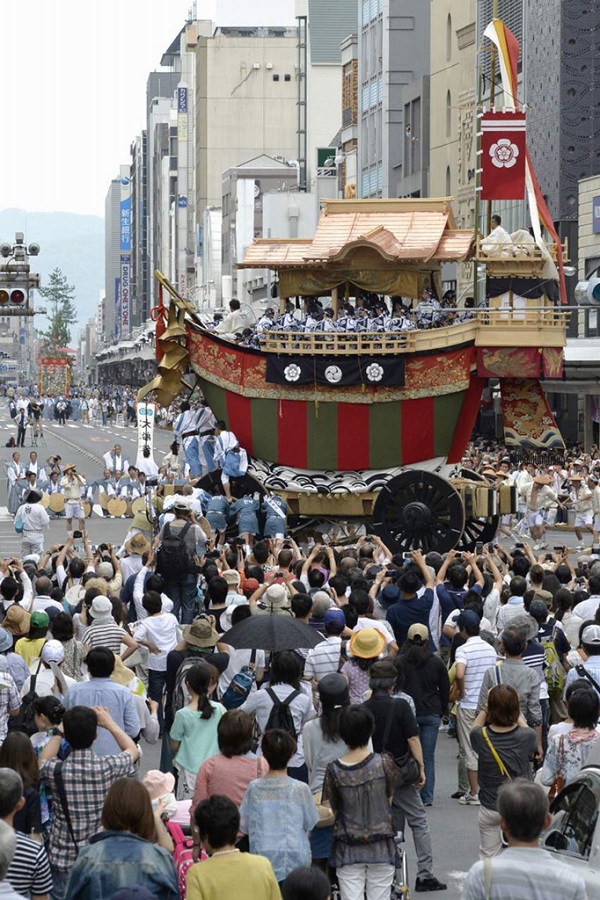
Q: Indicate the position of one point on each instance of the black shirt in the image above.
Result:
(403, 726)
(428, 685)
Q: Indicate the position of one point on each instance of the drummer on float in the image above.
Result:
(72, 483)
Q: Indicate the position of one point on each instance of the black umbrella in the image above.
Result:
(271, 633)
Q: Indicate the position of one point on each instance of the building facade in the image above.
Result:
(393, 74)
(112, 261)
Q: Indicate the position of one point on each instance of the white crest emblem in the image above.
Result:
(333, 374)
(374, 372)
(292, 373)
(504, 154)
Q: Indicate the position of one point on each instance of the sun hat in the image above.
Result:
(53, 651)
(591, 635)
(542, 479)
(40, 620)
(158, 783)
(69, 466)
(575, 478)
(368, 643)
(105, 570)
(232, 577)
(6, 640)
(334, 620)
(334, 690)
(17, 620)
(200, 634)
(34, 496)
(276, 595)
(181, 506)
(75, 595)
(138, 543)
(418, 633)
(101, 610)
(321, 603)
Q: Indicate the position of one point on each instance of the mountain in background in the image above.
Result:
(73, 243)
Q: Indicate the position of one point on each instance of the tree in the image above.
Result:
(62, 312)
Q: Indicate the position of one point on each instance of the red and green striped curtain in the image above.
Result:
(343, 436)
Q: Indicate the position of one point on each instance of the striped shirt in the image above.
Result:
(109, 635)
(477, 656)
(323, 659)
(521, 872)
(29, 871)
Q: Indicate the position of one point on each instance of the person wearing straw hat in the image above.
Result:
(134, 547)
(71, 485)
(366, 646)
(34, 518)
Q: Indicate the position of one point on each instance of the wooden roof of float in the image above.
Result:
(417, 231)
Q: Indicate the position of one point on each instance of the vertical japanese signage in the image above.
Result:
(125, 245)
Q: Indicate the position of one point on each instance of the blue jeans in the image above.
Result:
(183, 593)
(156, 686)
(59, 884)
(428, 732)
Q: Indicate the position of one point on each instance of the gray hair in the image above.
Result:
(11, 791)
(523, 805)
(8, 845)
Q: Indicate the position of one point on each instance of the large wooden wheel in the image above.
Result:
(477, 529)
(418, 510)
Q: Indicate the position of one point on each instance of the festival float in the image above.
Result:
(373, 426)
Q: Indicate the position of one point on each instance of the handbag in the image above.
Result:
(60, 787)
(406, 765)
(559, 782)
(19, 525)
(323, 807)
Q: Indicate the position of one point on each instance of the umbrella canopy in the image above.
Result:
(271, 633)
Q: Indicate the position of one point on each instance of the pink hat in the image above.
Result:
(158, 783)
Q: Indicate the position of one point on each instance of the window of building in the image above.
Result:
(287, 77)
(276, 77)
(448, 114)
(449, 38)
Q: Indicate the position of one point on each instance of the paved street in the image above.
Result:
(453, 827)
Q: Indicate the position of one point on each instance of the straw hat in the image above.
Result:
(542, 479)
(17, 621)
(68, 467)
(368, 643)
(138, 543)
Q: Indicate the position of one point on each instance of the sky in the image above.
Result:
(73, 76)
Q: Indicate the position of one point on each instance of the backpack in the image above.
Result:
(240, 685)
(173, 557)
(555, 674)
(182, 854)
(281, 714)
(181, 694)
(25, 721)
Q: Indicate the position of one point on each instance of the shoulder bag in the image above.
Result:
(407, 765)
(503, 770)
(62, 794)
(558, 782)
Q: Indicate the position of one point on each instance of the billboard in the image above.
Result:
(124, 311)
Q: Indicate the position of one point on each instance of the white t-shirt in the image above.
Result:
(477, 655)
(42, 603)
(485, 624)
(162, 630)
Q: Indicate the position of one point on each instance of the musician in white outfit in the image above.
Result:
(114, 460)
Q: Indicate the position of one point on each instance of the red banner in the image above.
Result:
(503, 155)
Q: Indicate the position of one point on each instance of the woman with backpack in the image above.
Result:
(194, 730)
(284, 704)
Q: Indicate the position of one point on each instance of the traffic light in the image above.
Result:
(13, 298)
